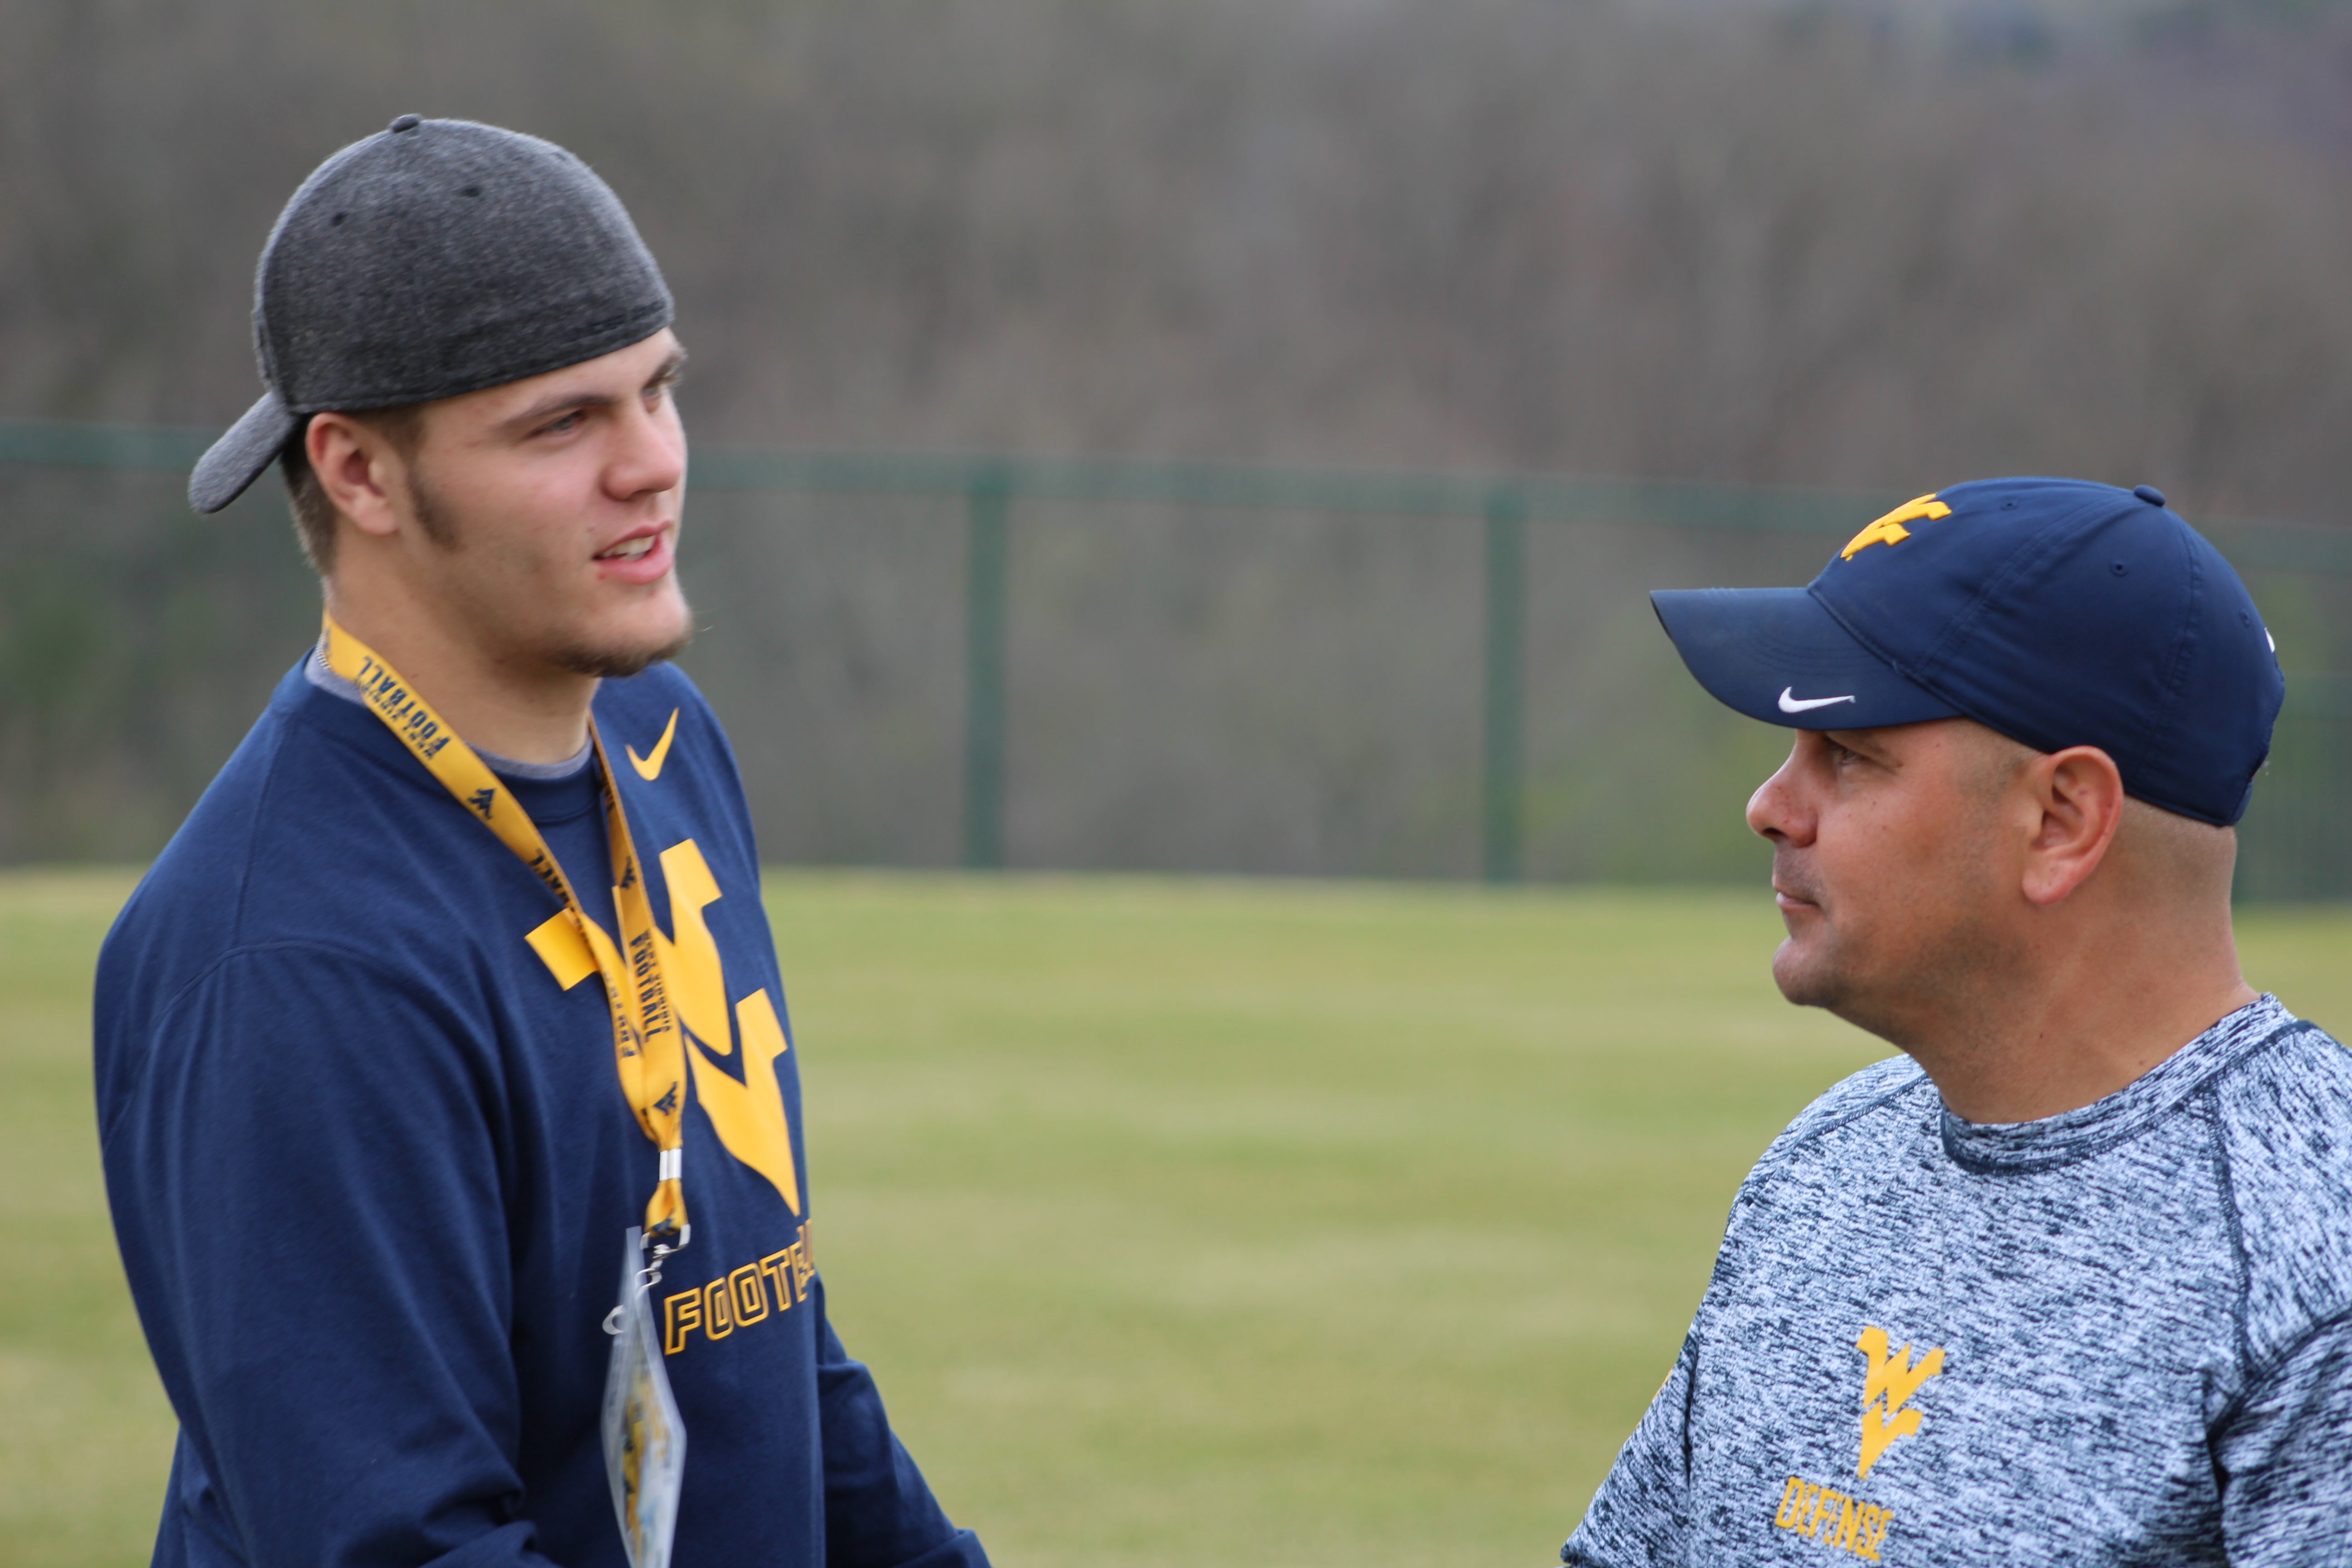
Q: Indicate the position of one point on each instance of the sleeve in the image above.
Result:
(879, 1511)
(305, 1183)
(2283, 1458)
(1636, 1519)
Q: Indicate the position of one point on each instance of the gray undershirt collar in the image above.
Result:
(316, 670)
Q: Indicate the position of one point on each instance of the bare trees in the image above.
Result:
(1761, 243)
(1881, 245)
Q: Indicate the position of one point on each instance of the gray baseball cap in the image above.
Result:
(435, 257)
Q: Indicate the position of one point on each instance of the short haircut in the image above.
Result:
(314, 514)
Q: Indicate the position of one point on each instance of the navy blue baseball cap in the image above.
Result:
(2057, 612)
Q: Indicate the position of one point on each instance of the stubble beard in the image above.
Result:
(1811, 972)
(602, 663)
(619, 663)
(1809, 979)
(1938, 994)
(1821, 972)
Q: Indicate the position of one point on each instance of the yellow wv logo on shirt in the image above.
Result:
(749, 1115)
(1889, 529)
(1887, 1384)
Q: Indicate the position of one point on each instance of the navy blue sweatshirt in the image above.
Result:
(370, 1167)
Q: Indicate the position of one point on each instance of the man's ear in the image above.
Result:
(2080, 794)
(356, 468)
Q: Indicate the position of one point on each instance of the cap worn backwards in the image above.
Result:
(435, 257)
(2057, 612)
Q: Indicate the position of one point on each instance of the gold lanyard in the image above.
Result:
(646, 1045)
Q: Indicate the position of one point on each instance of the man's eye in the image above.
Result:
(568, 422)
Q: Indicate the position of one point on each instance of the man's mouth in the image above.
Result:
(1790, 889)
(631, 549)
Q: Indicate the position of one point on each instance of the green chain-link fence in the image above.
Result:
(1088, 664)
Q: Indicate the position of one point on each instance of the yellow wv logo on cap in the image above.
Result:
(1889, 529)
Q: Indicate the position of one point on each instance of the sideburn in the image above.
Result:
(432, 515)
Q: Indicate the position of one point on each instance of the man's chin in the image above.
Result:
(618, 662)
(1804, 976)
(1810, 977)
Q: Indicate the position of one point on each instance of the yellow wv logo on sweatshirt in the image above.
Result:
(1888, 1382)
(747, 1115)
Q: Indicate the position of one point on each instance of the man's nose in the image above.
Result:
(1776, 810)
(651, 457)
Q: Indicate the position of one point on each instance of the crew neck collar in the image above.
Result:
(320, 674)
(2009, 1147)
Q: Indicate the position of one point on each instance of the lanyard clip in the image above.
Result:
(666, 1230)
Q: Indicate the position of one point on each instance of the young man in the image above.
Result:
(2071, 1281)
(457, 977)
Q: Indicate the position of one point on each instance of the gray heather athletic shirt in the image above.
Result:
(2119, 1335)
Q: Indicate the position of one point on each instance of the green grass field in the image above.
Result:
(1183, 1222)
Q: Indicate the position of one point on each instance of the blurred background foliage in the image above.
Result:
(1869, 244)
(1883, 246)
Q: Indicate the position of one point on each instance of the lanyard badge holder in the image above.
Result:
(644, 1441)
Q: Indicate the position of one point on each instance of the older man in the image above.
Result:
(2069, 1281)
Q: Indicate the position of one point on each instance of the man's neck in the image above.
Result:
(2076, 1032)
(530, 712)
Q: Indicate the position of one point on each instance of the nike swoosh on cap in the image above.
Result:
(1792, 703)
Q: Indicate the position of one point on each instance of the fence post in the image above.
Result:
(985, 503)
(1505, 715)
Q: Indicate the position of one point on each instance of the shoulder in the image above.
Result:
(302, 1017)
(1812, 1156)
(2289, 1062)
(1883, 1085)
(2287, 1102)
(1819, 1156)
(319, 819)
(2282, 1118)
(319, 830)
(191, 902)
